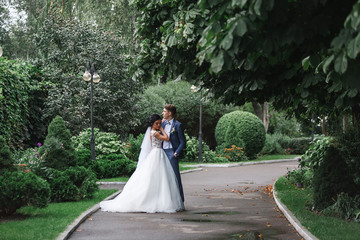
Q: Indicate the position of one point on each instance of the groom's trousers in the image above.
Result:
(175, 165)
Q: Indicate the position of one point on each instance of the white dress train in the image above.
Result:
(152, 188)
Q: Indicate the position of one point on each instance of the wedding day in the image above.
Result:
(179, 120)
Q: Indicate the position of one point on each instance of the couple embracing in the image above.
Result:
(155, 186)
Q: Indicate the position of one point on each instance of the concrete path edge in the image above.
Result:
(292, 219)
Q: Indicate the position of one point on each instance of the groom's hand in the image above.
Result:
(175, 155)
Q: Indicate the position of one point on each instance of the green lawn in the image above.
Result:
(46, 223)
(323, 227)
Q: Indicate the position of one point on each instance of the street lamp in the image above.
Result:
(91, 75)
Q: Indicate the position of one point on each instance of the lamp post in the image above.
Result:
(91, 75)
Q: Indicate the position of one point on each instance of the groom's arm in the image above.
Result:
(182, 140)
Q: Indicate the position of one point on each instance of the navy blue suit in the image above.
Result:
(178, 142)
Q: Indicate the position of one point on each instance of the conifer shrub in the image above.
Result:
(19, 189)
(72, 184)
(238, 126)
(113, 165)
(331, 178)
(58, 151)
(6, 161)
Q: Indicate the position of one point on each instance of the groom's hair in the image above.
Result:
(171, 108)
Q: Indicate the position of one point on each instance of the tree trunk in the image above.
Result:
(345, 121)
(262, 111)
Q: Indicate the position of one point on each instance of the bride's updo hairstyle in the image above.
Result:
(151, 119)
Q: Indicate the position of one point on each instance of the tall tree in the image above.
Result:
(253, 50)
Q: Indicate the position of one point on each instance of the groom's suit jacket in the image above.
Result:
(177, 137)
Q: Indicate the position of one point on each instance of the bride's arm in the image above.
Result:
(164, 136)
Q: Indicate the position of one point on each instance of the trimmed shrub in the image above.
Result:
(272, 146)
(299, 145)
(73, 184)
(6, 160)
(83, 157)
(58, 151)
(241, 126)
(331, 178)
(113, 165)
(20, 189)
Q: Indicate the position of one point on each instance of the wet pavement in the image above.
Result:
(221, 203)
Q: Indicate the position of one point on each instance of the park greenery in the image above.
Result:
(273, 77)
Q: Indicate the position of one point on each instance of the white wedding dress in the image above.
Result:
(152, 188)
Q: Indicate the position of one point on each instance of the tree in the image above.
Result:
(252, 50)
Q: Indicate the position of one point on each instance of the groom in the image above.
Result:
(176, 144)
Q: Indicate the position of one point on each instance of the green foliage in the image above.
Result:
(65, 46)
(241, 126)
(346, 207)
(20, 119)
(272, 145)
(192, 151)
(133, 146)
(83, 157)
(105, 142)
(299, 145)
(72, 184)
(113, 165)
(6, 160)
(314, 156)
(187, 103)
(279, 123)
(349, 143)
(302, 178)
(331, 179)
(58, 151)
(20, 189)
(30, 158)
(234, 154)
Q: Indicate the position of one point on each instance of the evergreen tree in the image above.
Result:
(58, 151)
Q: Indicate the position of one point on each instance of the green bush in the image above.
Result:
(105, 143)
(331, 178)
(58, 151)
(299, 145)
(131, 149)
(29, 157)
(272, 145)
(241, 125)
(192, 151)
(113, 165)
(6, 160)
(20, 189)
(349, 146)
(301, 177)
(234, 154)
(83, 157)
(314, 156)
(346, 207)
(72, 184)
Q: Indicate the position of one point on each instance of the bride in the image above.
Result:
(153, 186)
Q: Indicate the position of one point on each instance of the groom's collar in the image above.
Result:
(171, 121)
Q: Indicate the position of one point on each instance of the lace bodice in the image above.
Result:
(155, 142)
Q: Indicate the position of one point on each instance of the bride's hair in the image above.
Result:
(151, 119)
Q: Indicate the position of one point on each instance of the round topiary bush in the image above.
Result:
(241, 128)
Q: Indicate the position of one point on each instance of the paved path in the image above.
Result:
(221, 203)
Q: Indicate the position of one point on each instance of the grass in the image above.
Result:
(323, 227)
(46, 223)
(261, 158)
(115, 179)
